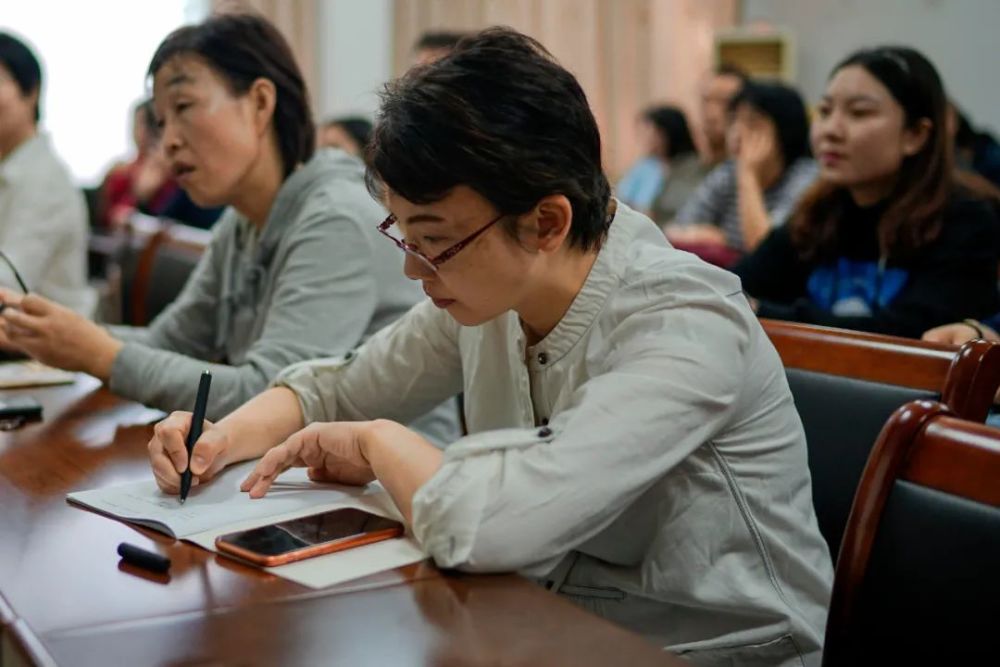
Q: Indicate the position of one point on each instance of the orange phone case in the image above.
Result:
(308, 552)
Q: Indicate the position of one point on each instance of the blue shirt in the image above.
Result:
(642, 183)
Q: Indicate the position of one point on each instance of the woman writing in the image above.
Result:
(633, 442)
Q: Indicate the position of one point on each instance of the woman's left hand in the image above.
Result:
(332, 451)
(57, 336)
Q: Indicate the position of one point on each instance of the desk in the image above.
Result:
(64, 598)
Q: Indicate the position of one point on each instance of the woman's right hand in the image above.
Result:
(168, 454)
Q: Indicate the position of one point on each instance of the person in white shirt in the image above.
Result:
(633, 444)
(43, 215)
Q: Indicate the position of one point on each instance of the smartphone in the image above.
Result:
(308, 536)
(20, 407)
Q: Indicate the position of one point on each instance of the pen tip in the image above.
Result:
(182, 500)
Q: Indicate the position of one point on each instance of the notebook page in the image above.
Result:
(216, 504)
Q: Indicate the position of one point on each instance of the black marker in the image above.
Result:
(141, 558)
(197, 419)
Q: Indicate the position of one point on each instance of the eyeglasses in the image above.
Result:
(17, 276)
(432, 263)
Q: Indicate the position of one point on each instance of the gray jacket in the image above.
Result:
(316, 282)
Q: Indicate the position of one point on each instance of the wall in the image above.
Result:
(959, 36)
(625, 53)
(297, 20)
(355, 47)
(92, 77)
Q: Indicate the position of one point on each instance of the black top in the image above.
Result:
(949, 279)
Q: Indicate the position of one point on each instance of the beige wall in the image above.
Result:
(626, 53)
(297, 21)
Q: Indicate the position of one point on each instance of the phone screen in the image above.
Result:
(296, 534)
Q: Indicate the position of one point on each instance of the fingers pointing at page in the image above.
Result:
(332, 452)
(275, 462)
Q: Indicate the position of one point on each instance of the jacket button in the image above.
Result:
(544, 432)
(543, 358)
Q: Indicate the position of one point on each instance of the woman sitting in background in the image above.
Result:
(295, 269)
(743, 199)
(887, 240)
(662, 181)
(43, 215)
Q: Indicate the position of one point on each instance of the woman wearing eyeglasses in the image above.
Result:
(633, 442)
(295, 269)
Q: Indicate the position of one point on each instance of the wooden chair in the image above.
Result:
(846, 384)
(918, 579)
(163, 267)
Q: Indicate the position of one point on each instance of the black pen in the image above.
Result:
(197, 419)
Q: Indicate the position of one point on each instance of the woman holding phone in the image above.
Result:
(295, 269)
(633, 442)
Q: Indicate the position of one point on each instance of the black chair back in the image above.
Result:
(918, 581)
(842, 418)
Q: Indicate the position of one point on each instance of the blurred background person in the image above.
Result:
(718, 91)
(975, 150)
(670, 169)
(435, 45)
(739, 203)
(43, 215)
(348, 133)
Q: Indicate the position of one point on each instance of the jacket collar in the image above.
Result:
(604, 276)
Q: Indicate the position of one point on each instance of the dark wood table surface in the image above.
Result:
(66, 599)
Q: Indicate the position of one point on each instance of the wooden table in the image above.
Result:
(66, 599)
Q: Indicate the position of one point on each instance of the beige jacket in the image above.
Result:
(645, 459)
(43, 226)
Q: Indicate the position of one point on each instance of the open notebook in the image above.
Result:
(14, 374)
(219, 507)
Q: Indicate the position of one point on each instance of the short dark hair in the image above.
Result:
(785, 108)
(926, 181)
(502, 117)
(439, 39)
(243, 48)
(359, 129)
(22, 64)
(672, 124)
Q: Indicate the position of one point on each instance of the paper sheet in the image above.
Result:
(218, 504)
(219, 507)
(14, 374)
